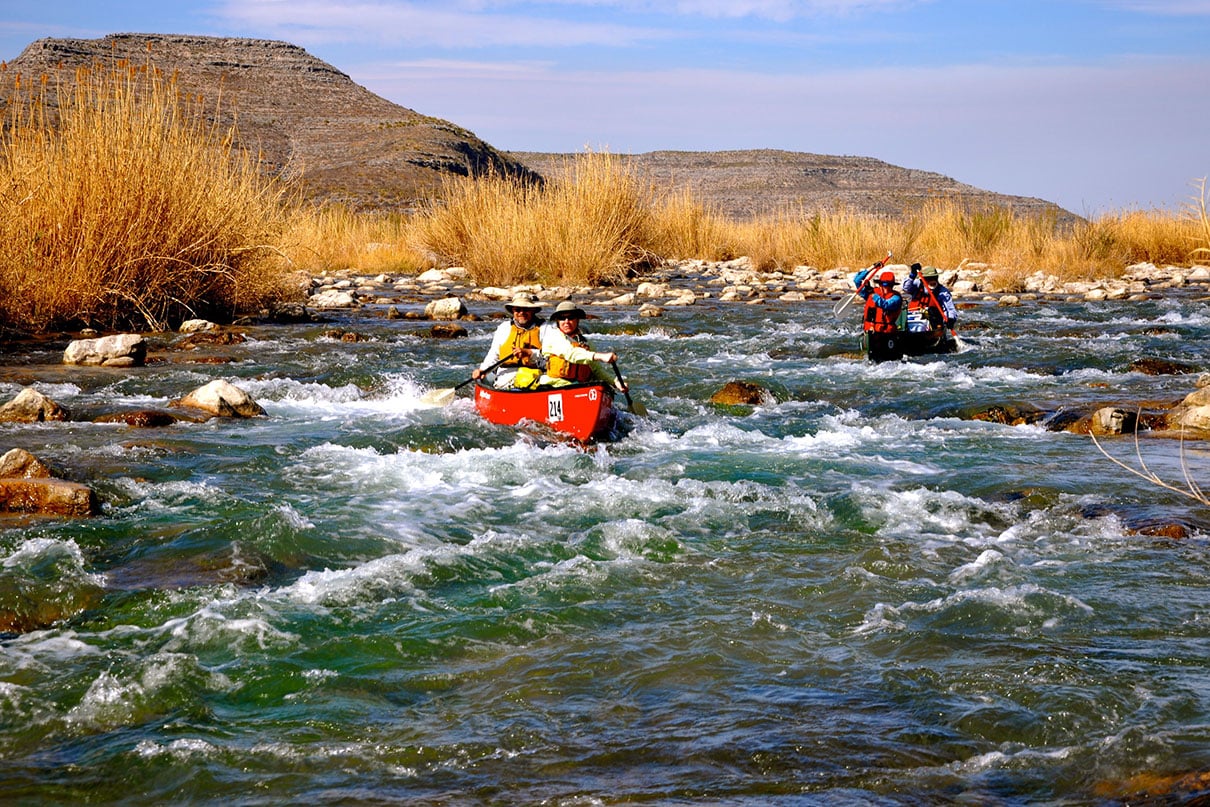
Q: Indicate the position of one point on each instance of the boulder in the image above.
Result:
(31, 406)
(55, 497)
(332, 298)
(742, 393)
(119, 350)
(650, 310)
(1113, 420)
(223, 399)
(447, 330)
(18, 462)
(1192, 413)
(445, 308)
(196, 326)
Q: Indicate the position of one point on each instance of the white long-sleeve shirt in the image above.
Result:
(556, 343)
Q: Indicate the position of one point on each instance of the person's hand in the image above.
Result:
(608, 358)
(876, 267)
(915, 271)
(477, 374)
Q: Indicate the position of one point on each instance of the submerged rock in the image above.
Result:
(742, 393)
(56, 497)
(1161, 367)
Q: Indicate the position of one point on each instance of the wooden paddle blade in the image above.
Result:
(439, 397)
(637, 408)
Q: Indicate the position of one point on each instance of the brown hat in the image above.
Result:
(524, 299)
(567, 310)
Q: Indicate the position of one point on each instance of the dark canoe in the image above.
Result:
(893, 347)
(582, 411)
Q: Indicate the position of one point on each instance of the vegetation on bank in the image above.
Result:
(595, 221)
(123, 206)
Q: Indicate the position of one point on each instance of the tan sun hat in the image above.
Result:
(929, 271)
(524, 299)
(567, 310)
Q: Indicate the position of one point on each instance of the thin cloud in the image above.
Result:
(314, 21)
(1167, 8)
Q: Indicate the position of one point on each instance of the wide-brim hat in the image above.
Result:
(524, 300)
(929, 271)
(567, 310)
(887, 277)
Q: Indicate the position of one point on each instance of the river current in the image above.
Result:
(850, 594)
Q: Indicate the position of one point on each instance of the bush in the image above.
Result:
(122, 206)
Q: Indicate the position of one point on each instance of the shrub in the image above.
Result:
(122, 205)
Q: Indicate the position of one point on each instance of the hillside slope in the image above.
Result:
(308, 119)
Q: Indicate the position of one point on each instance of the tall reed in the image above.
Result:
(337, 238)
(589, 224)
(122, 206)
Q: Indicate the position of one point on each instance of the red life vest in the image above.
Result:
(878, 319)
(559, 367)
(925, 299)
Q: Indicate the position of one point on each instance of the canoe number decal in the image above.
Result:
(554, 408)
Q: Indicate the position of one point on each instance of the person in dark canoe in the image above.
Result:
(926, 295)
(569, 357)
(516, 344)
(880, 321)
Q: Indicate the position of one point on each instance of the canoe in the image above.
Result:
(582, 411)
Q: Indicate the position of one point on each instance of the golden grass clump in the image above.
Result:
(334, 238)
(589, 225)
(122, 206)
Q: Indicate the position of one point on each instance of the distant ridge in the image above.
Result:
(750, 183)
(311, 122)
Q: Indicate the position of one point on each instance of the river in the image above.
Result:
(850, 594)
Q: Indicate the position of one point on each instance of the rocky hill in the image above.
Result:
(311, 122)
(745, 184)
(308, 119)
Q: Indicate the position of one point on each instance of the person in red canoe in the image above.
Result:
(569, 357)
(516, 344)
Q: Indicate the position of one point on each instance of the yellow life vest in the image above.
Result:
(559, 367)
(519, 339)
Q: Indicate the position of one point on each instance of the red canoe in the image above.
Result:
(583, 411)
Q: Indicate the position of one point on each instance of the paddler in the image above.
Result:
(516, 344)
(569, 357)
(880, 321)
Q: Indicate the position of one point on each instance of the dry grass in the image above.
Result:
(589, 225)
(1196, 213)
(120, 206)
(334, 238)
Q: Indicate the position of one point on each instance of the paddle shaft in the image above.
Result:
(622, 381)
(869, 275)
(937, 303)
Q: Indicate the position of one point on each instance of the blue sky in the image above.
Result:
(1098, 105)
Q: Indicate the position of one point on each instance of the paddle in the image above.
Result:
(937, 304)
(869, 276)
(638, 409)
(445, 395)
